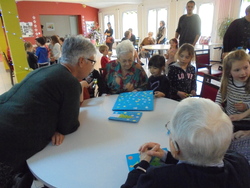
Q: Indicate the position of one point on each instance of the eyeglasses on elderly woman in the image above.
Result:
(176, 145)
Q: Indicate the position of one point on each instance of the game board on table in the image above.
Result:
(135, 101)
(133, 159)
(127, 116)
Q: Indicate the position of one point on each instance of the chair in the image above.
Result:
(11, 67)
(203, 66)
(209, 89)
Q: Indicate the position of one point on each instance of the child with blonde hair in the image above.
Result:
(182, 75)
(104, 50)
(234, 93)
(32, 59)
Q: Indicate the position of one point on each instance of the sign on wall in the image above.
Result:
(50, 26)
(27, 29)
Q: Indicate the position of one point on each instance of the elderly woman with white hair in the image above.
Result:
(125, 75)
(43, 107)
(199, 136)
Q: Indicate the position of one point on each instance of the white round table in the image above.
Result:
(95, 155)
(157, 47)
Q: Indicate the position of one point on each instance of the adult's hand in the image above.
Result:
(152, 149)
(57, 139)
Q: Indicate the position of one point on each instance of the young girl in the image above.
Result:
(158, 81)
(182, 74)
(55, 49)
(234, 93)
(171, 53)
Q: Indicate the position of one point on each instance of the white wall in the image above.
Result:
(64, 25)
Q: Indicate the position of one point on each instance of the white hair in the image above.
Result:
(124, 47)
(75, 47)
(202, 131)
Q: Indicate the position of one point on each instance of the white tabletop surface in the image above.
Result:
(95, 155)
(157, 47)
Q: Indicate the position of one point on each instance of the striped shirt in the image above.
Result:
(235, 94)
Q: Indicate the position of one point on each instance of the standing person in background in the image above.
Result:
(189, 26)
(237, 35)
(109, 33)
(42, 52)
(161, 35)
(55, 49)
(132, 38)
(32, 59)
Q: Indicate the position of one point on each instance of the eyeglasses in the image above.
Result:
(166, 126)
(92, 61)
(176, 145)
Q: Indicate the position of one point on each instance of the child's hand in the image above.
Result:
(57, 138)
(193, 92)
(236, 117)
(240, 134)
(159, 94)
(182, 95)
(240, 106)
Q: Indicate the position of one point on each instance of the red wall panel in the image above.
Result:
(30, 11)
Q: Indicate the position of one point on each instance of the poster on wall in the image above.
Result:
(89, 25)
(50, 26)
(27, 29)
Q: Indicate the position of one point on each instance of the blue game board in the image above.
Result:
(132, 117)
(133, 159)
(135, 101)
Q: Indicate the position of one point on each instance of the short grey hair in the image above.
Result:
(202, 131)
(75, 47)
(124, 47)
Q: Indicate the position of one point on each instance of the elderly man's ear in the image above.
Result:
(175, 149)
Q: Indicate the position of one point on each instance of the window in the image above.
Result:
(130, 21)
(244, 5)
(111, 19)
(206, 12)
(154, 18)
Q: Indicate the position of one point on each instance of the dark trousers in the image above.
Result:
(110, 46)
(241, 125)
